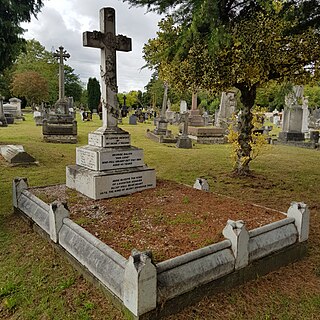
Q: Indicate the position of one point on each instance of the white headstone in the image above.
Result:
(183, 106)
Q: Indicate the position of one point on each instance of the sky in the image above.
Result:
(62, 22)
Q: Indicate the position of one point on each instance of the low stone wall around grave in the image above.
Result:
(144, 287)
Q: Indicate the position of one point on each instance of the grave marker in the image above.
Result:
(109, 166)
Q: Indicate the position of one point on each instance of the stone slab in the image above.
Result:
(109, 140)
(99, 159)
(111, 183)
(15, 154)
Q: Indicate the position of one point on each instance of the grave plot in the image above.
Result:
(182, 229)
(170, 220)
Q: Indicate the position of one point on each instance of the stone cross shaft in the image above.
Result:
(109, 43)
(164, 101)
(62, 55)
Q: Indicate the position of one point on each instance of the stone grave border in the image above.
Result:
(145, 290)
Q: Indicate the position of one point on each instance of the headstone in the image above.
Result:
(201, 184)
(109, 166)
(195, 117)
(292, 116)
(161, 122)
(227, 108)
(133, 119)
(183, 106)
(3, 120)
(15, 154)
(184, 141)
(60, 126)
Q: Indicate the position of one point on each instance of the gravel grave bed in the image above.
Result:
(170, 220)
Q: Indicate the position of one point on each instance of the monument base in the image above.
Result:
(184, 143)
(112, 183)
(291, 136)
(63, 138)
(104, 137)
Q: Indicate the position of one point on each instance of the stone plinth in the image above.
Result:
(109, 183)
(195, 118)
(207, 135)
(109, 166)
(184, 142)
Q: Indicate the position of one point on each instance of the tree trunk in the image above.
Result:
(248, 96)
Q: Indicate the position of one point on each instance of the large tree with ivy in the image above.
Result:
(12, 13)
(219, 44)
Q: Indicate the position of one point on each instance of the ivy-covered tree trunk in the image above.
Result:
(245, 126)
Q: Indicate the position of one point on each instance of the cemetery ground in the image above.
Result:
(37, 283)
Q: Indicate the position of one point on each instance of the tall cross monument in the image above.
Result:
(109, 43)
(62, 55)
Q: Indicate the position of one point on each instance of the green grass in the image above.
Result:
(37, 283)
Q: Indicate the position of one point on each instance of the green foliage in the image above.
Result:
(12, 13)
(313, 94)
(94, 93)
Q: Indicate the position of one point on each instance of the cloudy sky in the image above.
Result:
(61, 23)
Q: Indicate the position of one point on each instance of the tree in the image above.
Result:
(12, 13)
(217, 45)
(94, 93)
(37, 58)
(30, 85)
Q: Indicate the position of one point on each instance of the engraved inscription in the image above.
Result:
(122, 159)
(87, 159)
(117, 140)
(94, 140)
(128, 184)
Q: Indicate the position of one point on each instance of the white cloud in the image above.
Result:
(63, 22)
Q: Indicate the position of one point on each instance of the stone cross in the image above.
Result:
(62, 55)
(109, 43)
(185, 120)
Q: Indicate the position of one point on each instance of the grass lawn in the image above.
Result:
(36, 283)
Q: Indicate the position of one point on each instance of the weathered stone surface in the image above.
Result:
(99, 159)
(140, 284)
(111, 183)
(60, 138)
(206, 132)
(301, 214)
(105, 263)
(271, 238)
(35, 209)
(110, 140)
(201, 184)
(184, 143)
(185, 273)
(15, 154)
(57, 212)
(237, 233)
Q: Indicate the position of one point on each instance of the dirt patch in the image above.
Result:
(170, 220)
